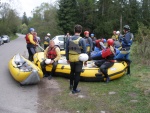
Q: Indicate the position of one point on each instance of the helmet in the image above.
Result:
(92, 34)
(110, 42)
(48, 34)
(31, 29)
(83, 57)
(47, 61)
(118, 32)
(104, 40)
(86, 32)
(126, 27)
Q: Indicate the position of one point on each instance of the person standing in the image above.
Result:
(93, 37)
(93, 40)
(65, 39)
(114, 36)
(31, 43)
(89, 43)
(119, 36)
(126, 45)
(52, 52)
(46, 40)
(74, 47)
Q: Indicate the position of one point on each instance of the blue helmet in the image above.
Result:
(31, 29)
(104, 40)
(92, 34)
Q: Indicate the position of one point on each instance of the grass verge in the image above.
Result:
(128, 94)
(13, 37)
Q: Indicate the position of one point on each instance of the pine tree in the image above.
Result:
(24, 19)
(67, 15)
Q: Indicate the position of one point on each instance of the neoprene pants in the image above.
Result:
(31, 51)
(104, 67)
(76, 68)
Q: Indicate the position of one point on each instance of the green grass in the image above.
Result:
(129, 97)
(132, 93)
(13, 37)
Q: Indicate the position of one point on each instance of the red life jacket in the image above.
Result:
(97, 42)
(52, 53)
(27, 39)
(106, 52)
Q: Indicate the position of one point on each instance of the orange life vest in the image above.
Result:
(106, 52)
(27, 39)
(52, 53)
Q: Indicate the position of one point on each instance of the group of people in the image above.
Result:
(75, 45)
(50, 51)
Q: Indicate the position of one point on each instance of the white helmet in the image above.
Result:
(47, 61)
(48, 34)
(118, 32)
(83, 57)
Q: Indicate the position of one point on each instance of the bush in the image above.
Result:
(142, 43)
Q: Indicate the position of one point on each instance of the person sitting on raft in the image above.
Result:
(99, 43)
(108, 54)
(52, 55)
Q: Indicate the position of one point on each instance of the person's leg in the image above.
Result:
(72, 72)
(99, 62)
(33, 51)
(120, 56)
(76, 82)
(53, 70)
(128, 61)
(78, 69)
(104, 69)
(43, 66)
(30, 54)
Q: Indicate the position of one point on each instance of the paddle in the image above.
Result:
(40, 47)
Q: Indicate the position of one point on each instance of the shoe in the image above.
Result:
(75, 91)
(71, 86)
(49, 77)
(45, 75)
(107, 79)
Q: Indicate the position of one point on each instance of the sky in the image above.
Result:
(26, 5)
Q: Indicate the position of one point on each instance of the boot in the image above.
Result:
(107, 79)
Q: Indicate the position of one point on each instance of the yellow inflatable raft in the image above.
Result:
(89, 72)
(24, 71)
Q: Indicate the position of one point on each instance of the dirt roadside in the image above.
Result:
(47, 89)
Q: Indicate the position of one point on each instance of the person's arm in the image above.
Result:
(91, 44)
(112, 49)
(31, 39)
(67, 49)
(45, 53)
(127, 37)
(58, 54)
(83, 45)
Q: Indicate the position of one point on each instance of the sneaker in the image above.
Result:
(49, 77)
(71, 86)
(75, 91)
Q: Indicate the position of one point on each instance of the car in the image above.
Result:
(59, 41)
(5, 38)
(1, 41)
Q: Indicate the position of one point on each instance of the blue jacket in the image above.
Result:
(127, 40)
(82, 44)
